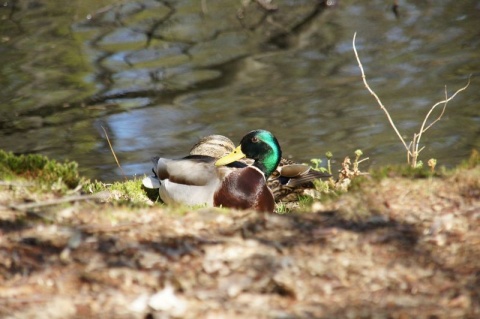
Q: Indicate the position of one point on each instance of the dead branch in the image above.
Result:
(376, 96)
(412, 148)
(447, 99)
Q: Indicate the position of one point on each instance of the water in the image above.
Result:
(158, 77)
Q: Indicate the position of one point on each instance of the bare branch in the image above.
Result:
(409, 147)
(377, 98)
(447, 99)
(412, 148)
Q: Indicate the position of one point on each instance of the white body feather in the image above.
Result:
(195, 181)
(173, 193)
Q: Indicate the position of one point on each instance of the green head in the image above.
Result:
(259, 145)
(263, 147)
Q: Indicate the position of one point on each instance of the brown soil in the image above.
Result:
(396, 248)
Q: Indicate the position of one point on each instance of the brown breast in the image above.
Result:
(244, 189)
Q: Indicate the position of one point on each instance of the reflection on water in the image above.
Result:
(157, 87)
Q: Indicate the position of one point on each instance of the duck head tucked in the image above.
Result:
(213, 145)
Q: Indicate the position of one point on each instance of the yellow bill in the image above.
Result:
(232, 157)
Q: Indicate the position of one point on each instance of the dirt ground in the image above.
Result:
(394, 248)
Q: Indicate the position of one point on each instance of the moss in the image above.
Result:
(128, 192)
(39, 169)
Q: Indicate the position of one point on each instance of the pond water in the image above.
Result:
(158, 75)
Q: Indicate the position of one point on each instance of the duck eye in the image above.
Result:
(254, 139)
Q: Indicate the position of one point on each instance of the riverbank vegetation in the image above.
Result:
(402, 242)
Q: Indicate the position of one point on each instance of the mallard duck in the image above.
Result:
(291, 180)
(287, 182)
(204, 180)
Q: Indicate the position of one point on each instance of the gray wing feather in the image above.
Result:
(186, 171)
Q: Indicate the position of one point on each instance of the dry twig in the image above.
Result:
(113, 152)
(413, 148)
